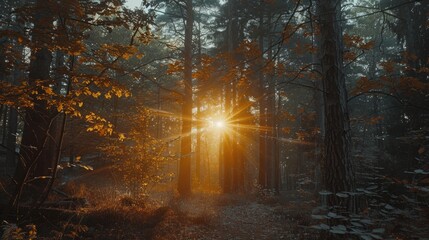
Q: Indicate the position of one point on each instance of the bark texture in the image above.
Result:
(338, 175)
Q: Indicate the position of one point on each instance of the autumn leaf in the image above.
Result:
(388, 66)
(367, 46)
(96, 94)
(126, 56)
(174, 67)
(86, 91)
(60, 107)
(139, 56)
(349, 56)
(352, 40)
(364, 84)
(121, 137)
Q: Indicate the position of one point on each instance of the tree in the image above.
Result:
(47, 96)
(338, 173)
(11, 57)
(184, 184)
(202, 17)
(262, 178)
(410, 27)
(36, 162)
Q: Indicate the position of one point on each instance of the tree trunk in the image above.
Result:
(318, 108)
(338, 175)
(11, 141)
(199, 121)
(3, 74)
(271, 141)
(226, 142)
(221, 159)
(184, 184)
(36, 163)
(277, 148)
(262, 105)
(198, 145)
(3, 108)
(221, 156)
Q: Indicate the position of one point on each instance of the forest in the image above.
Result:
(214, 119)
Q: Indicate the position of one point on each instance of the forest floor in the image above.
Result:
(92, 209)
(202, 216)
(216, 216)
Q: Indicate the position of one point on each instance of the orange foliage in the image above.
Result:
(281, 69)
(349, 56)
(15, 96)
(375, 120)
(269, 67)
(367, 45)
(288, 116)
(249, 49)
(175, 67)
(388, 66)
(365, 85)
(412, 84)
(407, 56)
(355, 41)
(98, 124)
(205, 71)
(288, 31)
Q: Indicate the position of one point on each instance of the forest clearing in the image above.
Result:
(214, 119)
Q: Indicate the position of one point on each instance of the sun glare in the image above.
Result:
(219, 124)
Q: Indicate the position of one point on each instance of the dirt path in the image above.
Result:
(231, 217)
